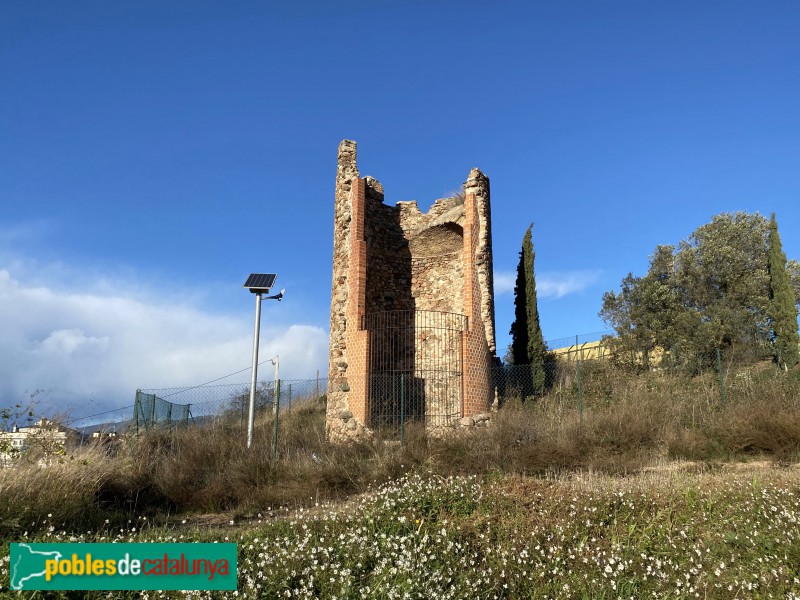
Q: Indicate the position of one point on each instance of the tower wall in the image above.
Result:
(411, 292)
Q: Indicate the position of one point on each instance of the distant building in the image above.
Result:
(109, 441)
(45, 437)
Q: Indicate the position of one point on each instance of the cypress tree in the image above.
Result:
(527, 343)
(782, 308)
(519, 328)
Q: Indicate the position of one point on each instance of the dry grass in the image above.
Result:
(629, 424)
(30, 494)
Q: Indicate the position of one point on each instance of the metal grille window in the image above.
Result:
(414, 367)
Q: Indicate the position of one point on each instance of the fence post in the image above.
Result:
(289, 399)
(395, 394)
(402, 407)
(277, 411)
(578, 377)
(317, 396)
(721, 379)
(136, 413)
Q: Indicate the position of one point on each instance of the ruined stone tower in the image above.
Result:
(412, 307)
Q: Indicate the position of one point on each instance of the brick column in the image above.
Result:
(468, 257)
(357, 340)
(475, 365)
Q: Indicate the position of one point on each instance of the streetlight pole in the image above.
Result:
(251, 413)
(257, 283)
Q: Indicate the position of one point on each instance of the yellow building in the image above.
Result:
(585, 351)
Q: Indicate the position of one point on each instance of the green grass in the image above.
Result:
(670, 534)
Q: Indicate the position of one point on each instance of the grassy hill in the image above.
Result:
(657, 489)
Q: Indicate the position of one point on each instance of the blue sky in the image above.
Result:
(154, 154)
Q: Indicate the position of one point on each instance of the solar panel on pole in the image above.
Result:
(260, 282)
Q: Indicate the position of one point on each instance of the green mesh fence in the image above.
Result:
(151, 411)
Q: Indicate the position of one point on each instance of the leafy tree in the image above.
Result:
(527, 342)
(783, 302)
(642, 312)
(239, 403)
(793, 269)
(712, 291)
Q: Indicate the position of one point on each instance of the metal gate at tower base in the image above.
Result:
(414, 369)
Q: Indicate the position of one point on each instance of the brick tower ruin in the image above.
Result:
(412, 333)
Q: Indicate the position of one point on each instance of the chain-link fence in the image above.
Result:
(559, 371)
(160, 406)
(226, 405)
(587, 373)
(579, 372)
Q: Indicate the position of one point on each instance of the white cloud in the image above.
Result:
(90, 350)
(67, 341)
(504, 282)
(559, 285)
(549, 285)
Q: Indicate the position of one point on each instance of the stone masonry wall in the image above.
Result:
(395, 258)
(437, 272)
(338, 386)
(388, 259)
(478, 184)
